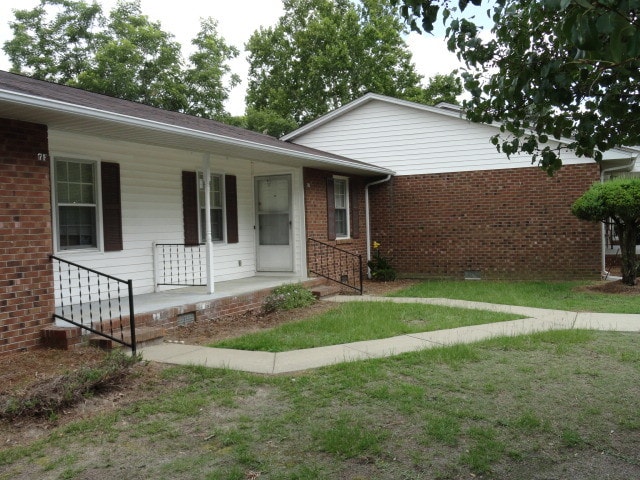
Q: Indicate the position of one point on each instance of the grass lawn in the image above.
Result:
(352, 322)
(553, 295)
(551, 405)
(561, 404)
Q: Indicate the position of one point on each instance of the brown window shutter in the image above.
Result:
(231, 205)
(190, 208)
(355, 210)
(111, 206)
(331, 210)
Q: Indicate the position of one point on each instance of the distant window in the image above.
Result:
(216, 211)
(76, 204)
(341, 200)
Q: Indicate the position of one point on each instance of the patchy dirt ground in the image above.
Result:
(616, 287)
(21, 371)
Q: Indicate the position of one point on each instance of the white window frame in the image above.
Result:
(345, 180)
(223, 206)
(95, 162)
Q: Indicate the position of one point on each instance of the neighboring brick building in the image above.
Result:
(456, 207)
(513, 223)
(26, 279)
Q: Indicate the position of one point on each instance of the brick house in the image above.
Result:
(124, 189)
(202, 219)
(458, 208)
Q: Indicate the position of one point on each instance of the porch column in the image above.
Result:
(206, 168)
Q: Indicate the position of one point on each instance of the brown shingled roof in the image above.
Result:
(49, 91)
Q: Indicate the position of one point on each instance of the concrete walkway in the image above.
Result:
(537, 320)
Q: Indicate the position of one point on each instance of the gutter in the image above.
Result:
(603, 172)
(128, 120)
(368, 222)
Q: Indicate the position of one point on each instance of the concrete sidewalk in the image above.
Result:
(537, 320)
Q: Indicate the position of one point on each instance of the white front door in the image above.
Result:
(273, 223)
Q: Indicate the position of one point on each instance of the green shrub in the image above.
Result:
(287, 297)
(380, 267)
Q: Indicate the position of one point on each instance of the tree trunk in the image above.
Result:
(628, 234)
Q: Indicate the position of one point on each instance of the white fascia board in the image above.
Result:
(128, 120)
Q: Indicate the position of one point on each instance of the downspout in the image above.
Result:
(368, 222)
(603, 246)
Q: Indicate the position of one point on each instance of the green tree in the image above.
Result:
(124, 55)
(209, 68)
(56, 49)
(136, 60)
(440, 88)
(552, 69)
(324, 53)
(617, 200)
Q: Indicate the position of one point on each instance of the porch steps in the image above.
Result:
(144, 336)
(326, 290)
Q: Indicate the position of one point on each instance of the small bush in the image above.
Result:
(380, 267)
(287, 297)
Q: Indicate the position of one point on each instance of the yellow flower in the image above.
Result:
(376, 245)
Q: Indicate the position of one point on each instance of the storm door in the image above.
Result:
(273, 223)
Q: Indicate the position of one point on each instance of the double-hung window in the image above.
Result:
(87, 204)
(216, 211)
(76, 204)
(341, 203)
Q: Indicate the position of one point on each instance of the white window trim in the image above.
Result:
(54, 202)
(223, 201)
(346, 207)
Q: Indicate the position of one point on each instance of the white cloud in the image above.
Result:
(236, 23)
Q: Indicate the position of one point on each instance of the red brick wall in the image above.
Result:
(26, 278)
(513, 223)
(315, 200)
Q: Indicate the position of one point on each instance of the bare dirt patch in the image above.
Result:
(613, 287)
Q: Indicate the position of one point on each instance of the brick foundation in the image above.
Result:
(211, 310)
(513, 223)
(26, 278)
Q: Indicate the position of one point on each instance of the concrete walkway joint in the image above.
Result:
(537, 320)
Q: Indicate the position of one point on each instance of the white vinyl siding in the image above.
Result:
(412, 141)
(151, 196)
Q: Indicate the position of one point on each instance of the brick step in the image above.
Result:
(144, 336)
(326, 290)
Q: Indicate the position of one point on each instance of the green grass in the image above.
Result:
(356, 321)
(552, 295)
(501, 408)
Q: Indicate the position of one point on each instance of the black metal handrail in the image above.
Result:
(94, 301)
(180, 265)
(335, 264)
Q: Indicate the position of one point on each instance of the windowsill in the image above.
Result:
(77, 251)
(344, 241)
